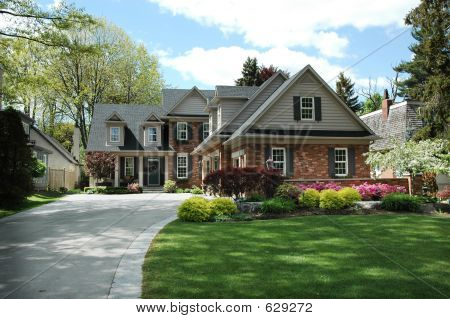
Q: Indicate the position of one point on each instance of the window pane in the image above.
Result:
(115, 134)
(307, 108)
(151, 134)
(182, 167)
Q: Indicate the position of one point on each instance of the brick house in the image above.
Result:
(298, 125)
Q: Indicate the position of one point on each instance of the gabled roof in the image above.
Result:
(152, 118)
(55, 144)
(281, 90)
(173, 97)
(235, 91)
(114, 117)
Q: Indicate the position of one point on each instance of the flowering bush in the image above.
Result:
(377, 191)
(320, 186)
(134, 188)
(444, 194)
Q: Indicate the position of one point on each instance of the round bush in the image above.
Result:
(349, 196)
(330, 199)
(170, 186)
(222, 206)
(195, 209)
(277, 206)
(310, 198)
(288, 191)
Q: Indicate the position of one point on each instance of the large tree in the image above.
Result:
(429, 69)
(345, 88)
(250, 73)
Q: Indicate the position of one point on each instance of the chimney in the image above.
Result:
(1, 86)
(385, 105)
(76, 143)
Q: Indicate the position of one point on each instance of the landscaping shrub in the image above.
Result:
(400, 202)
(196, 190)
(170, 186)
(195, 209)
(222, 206)
(254, 197)
(179, 191)
(288, 191)
(134, 188)
(108, 190)
(349, 196)
(378, 190)
(330, 199)
(320, 186)
(277, 206)
(444, 194)
(310, 198)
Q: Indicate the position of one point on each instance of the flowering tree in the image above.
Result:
(100, 164)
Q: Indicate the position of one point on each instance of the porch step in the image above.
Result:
(158, 189)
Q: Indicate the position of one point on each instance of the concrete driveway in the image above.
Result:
(72, 248)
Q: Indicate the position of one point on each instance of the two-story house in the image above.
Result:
(298, 124)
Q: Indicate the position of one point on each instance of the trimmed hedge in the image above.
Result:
(310, 198)
(278, 206)
(330, 199)
(110, 190)
(195, 209)
(400, 202)
(222, 206)
(349, 195)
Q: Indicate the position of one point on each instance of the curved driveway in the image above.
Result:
(71, 248)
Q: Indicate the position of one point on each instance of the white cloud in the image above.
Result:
(290, 23)
(223, 65)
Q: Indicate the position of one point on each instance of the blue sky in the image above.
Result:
(203, 43)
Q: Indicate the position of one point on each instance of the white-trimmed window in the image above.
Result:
(341, 161)
(279, 159)
(182, 131)
(216, 163)
(182, 166)
(307, 108)
(152, 135)
(205, 130)
(129, 166)
(114, 134)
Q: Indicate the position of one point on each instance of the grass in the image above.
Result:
(372, 256)
(32, 201)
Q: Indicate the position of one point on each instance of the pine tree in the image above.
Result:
(345, 90)
(429, 69)
(250, 74)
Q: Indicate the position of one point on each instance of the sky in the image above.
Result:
(205, 42)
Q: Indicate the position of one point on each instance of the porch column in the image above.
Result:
(141, 171)
(166, 168)
(116, 171)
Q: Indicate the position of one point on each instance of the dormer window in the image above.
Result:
(182, 131)
(152, 136)
(115, 134)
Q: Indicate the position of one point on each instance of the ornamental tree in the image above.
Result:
(100, 164)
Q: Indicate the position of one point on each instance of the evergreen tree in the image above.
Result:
(250, 74)
(345, 90)
(17, 165)
(429, 70)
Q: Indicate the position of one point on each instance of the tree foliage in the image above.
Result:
(371, 104)
(255, 75)
(345, 89)
(429, 70)
(100, 164)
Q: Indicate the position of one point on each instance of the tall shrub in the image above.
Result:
(17, 163)
(100, 164)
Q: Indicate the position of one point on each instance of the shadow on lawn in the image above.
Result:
(395, 256)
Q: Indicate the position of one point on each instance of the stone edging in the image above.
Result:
(127, 280)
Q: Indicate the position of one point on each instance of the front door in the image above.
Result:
(153, 172)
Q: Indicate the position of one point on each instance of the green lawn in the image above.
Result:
(373, 256)
(34, 200)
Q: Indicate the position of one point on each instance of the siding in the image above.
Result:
(213, 116)
(255, 104)
(229, 108)
(334, 117)
(191, 105)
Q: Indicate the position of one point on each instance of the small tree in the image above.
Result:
(413, 157)
(100, 164)
(17, 163)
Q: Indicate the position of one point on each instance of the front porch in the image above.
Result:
(147, 171)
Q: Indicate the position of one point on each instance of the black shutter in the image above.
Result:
(290, 161)
(122, 167)
(165, 136)
(296, 105)
(136, 169)
(200, 131)
(189, 166)
(267, 153)
(331, 167)
(145, 159)
(318, 108)
(174, 173)
(162, 169)
(351, 162)
(175, 132)
(189, 133)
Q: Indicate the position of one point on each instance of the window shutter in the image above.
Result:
(162, 169)
(189, 131)
(165, 136)
(136, 167)
(351, 162)
(290, 161)
(200, 131)
(267, 154)
(318, 108)
(122, 167)
(189, 158)
(175, 132)
(174, 172)
(331, 167)
(296, 104)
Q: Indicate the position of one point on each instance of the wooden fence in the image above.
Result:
(58, 178)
